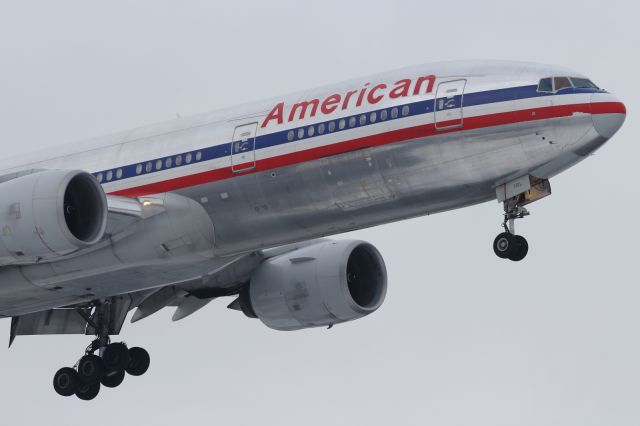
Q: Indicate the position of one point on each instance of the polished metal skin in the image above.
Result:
(49, 215)
(320, 285)
(261, 182)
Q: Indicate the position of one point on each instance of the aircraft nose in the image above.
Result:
(607, 113)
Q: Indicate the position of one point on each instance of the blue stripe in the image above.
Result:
(350, 122)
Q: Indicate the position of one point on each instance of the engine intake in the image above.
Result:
(85, 208)
(323, 284)
(49, 214)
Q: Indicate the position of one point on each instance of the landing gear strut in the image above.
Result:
(508, 245)
(103, 364)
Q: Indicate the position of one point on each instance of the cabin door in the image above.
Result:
(243, 148)
(448, 108)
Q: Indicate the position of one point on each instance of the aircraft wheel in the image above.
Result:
(505, 245)
(90, 368)
(522, 249)
(139, 361)
(65, 381)
(113, 379)
(88, 391)
(116, 357)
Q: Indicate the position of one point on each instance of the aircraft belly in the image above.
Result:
(360, 188)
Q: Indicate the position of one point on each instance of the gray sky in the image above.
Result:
(463, 338)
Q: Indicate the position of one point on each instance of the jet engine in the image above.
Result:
(319, 285)
(48, 214)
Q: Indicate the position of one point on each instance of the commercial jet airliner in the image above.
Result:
(237, 202)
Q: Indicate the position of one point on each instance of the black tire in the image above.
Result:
(116, 357)
(90, 369)
(88, 391)
(523, 249)
(505, 245)
(113, 379)
(139, 361)
(65, 381)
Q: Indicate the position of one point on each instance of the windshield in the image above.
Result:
(554, 84)
(583, 83)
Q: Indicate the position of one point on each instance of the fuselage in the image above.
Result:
(360, 153)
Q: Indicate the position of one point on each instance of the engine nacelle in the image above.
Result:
(318, 285)
(48, 214)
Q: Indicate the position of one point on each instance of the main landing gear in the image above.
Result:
(93, 371)
(103, 364)
(508, 245)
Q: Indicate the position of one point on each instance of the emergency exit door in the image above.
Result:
(243, 148)
(448, 108)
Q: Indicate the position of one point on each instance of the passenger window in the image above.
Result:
(352, 122)
(148, 167)
(99, 177)
(178, 160)
(290, 135)
(405, 110)
(373, 117)
(198, 156)
(300, 133)
(383, 114)
(168, 162)
(332, 126)
(341, 124)
(188, 158)
(311, 131)
(321, 128)
(119, 173)
(363, 120)
(560, 83)
(158, 164)
(109, 175)
(394, 113)
(139, 169)
(545, 85)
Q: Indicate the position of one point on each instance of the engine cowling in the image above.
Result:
(318, 285)
(49, 214)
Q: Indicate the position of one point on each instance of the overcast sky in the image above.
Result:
(463, 337)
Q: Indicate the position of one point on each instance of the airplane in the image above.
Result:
(239, 202)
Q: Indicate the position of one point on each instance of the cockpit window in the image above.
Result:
(583, 83)
(560, 83)
(545, 85)
(554, 84)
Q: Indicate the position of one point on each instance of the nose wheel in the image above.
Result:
(508, 245)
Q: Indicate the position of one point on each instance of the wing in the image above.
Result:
(100, 250)
(186, 296)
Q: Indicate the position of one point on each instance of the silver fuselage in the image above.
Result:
(281, 189)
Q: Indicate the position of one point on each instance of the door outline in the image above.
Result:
(243, 147)
(441, 113)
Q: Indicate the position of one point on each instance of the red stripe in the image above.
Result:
(395, 136)
(608, 108)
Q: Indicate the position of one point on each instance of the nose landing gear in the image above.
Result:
(515, 195)
(508, 245)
